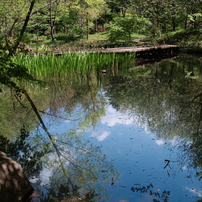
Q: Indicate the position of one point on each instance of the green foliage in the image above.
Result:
(115, 31)
(27, 38)
(30, 160)
(126, 26)
(194, 17)
(9, 70)
(48, 66)
(66, 38)
(75, 18)
(38, 24)
(68, 23)
(120, 6)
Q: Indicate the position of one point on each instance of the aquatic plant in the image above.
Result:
(54, 66)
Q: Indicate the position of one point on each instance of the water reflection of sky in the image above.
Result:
(140, 159)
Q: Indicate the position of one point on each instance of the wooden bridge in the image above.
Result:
(141, 51)
(144, 51)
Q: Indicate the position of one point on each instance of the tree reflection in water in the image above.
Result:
(161, 196)
(76, 173)
(165, 98)
(74, 164)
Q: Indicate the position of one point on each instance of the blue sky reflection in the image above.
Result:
(142, 160)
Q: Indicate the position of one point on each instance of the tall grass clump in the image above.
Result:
(52, 66)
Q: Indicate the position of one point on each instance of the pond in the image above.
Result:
(132, 134)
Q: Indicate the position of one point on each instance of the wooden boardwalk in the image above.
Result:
(139, 50)
(143, 51)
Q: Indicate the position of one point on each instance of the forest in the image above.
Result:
(42, 25)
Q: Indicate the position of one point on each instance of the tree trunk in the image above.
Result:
(158, 21)
(165, 26)
(1, 26)
(54, 23)
(129, 36)
(37, 39)
(54, 30)
(12, 50)
(96, 26)
(87, 29)
(51, 20)
(52, 34)
(186, 18)
(82, 25)
(123, 12)
(194, 22)
(173, 23)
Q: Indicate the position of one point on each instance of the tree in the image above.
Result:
(68, 22)
(121, 26)
(89, 10)
(12, 12)
(12, 48)
(120, 6)
(53, 10)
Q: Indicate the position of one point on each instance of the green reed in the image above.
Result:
(52, 66)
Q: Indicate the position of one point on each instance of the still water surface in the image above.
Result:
(130, 136)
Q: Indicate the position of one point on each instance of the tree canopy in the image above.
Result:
(21, 20)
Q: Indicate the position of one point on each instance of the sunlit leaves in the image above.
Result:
(121, 26)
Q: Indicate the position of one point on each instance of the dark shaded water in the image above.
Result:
(133, 134)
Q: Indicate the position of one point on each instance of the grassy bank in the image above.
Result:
(188, 39)
(99, 40)
(182, 37)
